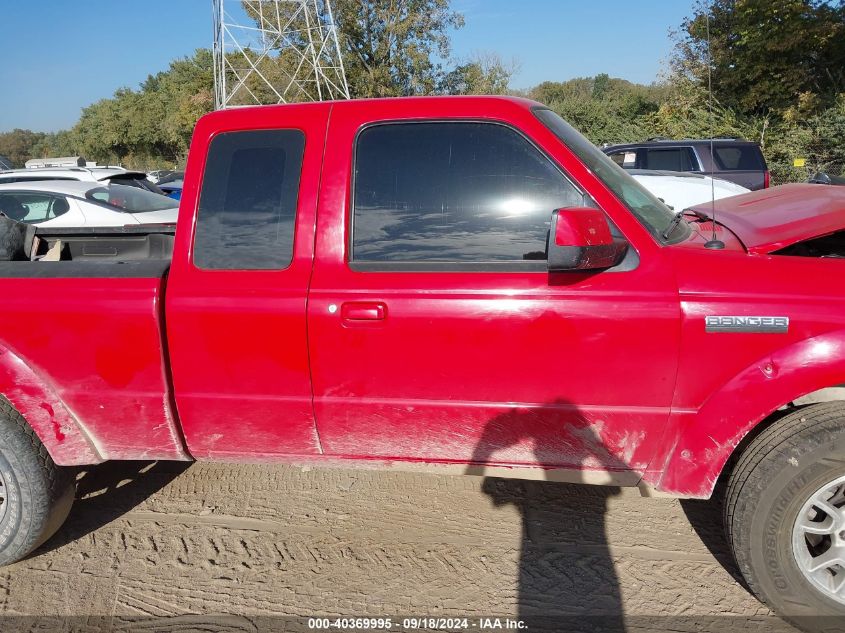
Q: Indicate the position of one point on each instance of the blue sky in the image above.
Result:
(59, 55)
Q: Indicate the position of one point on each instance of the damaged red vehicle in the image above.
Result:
(460, 284)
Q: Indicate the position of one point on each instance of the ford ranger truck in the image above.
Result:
(459, 284)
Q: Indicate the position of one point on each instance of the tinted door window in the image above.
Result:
(738, 158)
(32, 207)
(247, 208)
(625, 158)
(453, 192)
(671, 159)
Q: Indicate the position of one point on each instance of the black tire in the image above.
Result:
(777, 473)
(36, 494)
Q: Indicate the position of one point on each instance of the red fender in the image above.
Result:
(61, 433)
(699, 444)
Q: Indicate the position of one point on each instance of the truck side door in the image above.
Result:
(436, 332)
(236, 294)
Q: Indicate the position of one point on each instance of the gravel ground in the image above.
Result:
(186, 543)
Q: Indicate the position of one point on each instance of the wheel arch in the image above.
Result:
(39, 404)
(701, 445)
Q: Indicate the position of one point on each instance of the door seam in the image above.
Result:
(310, 279)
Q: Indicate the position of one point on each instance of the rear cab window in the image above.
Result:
(247, 207)
(453, 196)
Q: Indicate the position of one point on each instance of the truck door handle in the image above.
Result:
(363, 311)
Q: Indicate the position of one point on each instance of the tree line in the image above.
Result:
(776, 67)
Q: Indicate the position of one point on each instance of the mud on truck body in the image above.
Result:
(458, 284)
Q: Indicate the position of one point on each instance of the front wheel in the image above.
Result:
(35, 494)
(785, 516)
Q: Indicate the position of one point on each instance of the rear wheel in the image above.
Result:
(35, 494)
(785, 515)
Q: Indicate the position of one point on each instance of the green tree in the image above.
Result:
(603, 108)
(765, 52)
(150, 126)
(827, 147)
(18, 145)
(55, 144)
(685, 112)
(482, 74)
(179, 96)
(601, 85)
(389, 48)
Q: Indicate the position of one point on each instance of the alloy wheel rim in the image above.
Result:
(818, 540)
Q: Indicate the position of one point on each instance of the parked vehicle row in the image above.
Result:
(87, 174)
(74, 196)
(678, 189)
(730, 159)
(459, 284)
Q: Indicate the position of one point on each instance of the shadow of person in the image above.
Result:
(107, 491)
(567, 580)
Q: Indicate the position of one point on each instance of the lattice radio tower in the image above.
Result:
(276, 51)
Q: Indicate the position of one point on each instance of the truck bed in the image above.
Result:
(133, 251)
(89, 326)
(120, 244)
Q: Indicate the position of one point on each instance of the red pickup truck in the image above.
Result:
(461, 284)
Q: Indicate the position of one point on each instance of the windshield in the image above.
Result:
(131, 199)
(648, 209)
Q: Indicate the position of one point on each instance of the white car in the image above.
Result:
(682, 190)
(89, 174)
(70, 203)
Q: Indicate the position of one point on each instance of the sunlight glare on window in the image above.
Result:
(515, 206)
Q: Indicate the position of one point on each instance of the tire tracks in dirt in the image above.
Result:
(170, 540)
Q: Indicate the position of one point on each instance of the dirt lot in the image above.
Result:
(277, 541)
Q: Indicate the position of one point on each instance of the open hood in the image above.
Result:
(771, 219)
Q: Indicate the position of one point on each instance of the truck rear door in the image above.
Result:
(236, 294)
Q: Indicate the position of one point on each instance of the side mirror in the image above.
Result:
(580, 239)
